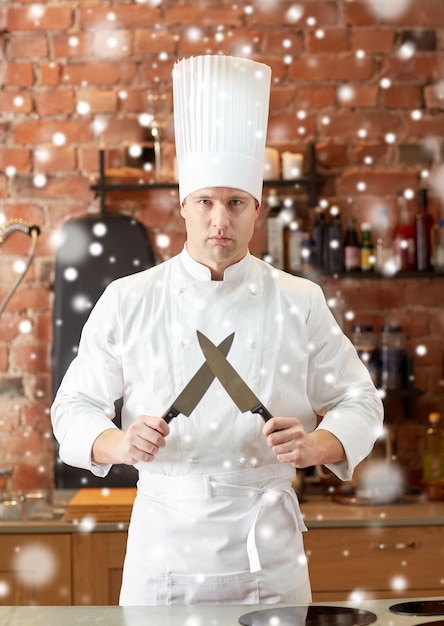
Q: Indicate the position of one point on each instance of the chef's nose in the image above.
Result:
(220, 215)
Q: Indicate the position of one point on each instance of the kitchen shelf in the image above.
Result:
(311, 182)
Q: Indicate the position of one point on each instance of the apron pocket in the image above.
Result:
(236, 588)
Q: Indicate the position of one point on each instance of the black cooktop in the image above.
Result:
(419, 607)
(308, 616)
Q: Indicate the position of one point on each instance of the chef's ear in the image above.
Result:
(182, 206)
(257, 207)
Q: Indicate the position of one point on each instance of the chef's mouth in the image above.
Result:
(218, 239)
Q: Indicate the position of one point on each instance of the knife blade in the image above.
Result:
(234, 384)
(191, 394)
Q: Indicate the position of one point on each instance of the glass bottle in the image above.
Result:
(334, 246)
(384, 245)
(392, 357)
(367, 249)
(438, 261)
(423, 231)
(275, 230)
(366, 344)
(433, 449)
(404, 239)
(293, 239)
(352, 247)
(318, 236)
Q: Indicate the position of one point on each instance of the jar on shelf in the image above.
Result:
(366, 344)
(392, 357)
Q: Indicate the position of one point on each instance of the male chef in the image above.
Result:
(216, 519)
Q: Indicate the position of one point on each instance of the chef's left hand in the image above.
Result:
(291, 444)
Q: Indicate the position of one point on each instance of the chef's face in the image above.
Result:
(220, 224)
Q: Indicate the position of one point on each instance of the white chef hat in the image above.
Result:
(221, 109)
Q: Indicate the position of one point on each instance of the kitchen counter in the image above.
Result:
(318, 512)
(226, 615)
(323, 512)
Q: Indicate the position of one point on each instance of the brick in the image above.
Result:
(37, 419)
(287, 128)
(124, 132)
(100, 101)
(117, 44)
(28, 476)
(328, 41)
(56, 188)
(39, 17)
(332, 155)
(281, 97)
(378, 152)
(51, 102)
(319, 68)
(358, 96)
(373, 40)
(43, 327)
(380, 182)
(241, 42)
(415, 154)
(284, 41)
(99, 73)
(18, 158)
(72, 45)
(314, 97)
(43, 131)
(427, 126)
(15, 102)
(28, 211)
(195, 40)
(4, 358)
(434, 95)
(402, 97)
(417, 14)
(18, 75)
(425, 292)
(49, 74)
(28, 45)
(156, 72)
(30, 298)
(184, 14)
(50, 159)
(154, 42)
(131, 17)
(359, 13)
(8, 324)
(320, 13)
(424, 67)
(376, 124)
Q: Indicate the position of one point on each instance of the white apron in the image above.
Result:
(238, 532)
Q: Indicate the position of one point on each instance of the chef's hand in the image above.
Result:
(140, 442)
(291, 444)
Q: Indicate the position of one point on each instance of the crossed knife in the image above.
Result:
(216, 365)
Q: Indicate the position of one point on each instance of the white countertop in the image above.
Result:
(226, 615)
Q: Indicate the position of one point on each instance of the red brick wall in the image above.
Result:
(117, 58)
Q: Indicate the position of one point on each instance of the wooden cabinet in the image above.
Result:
(35, 569)
(375, 562)
(97, 567)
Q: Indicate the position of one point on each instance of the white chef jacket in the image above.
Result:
(215, 518)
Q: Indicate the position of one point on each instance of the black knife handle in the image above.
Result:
(262, 411)
(170, 414)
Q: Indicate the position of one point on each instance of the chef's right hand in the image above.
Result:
(140, 442)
